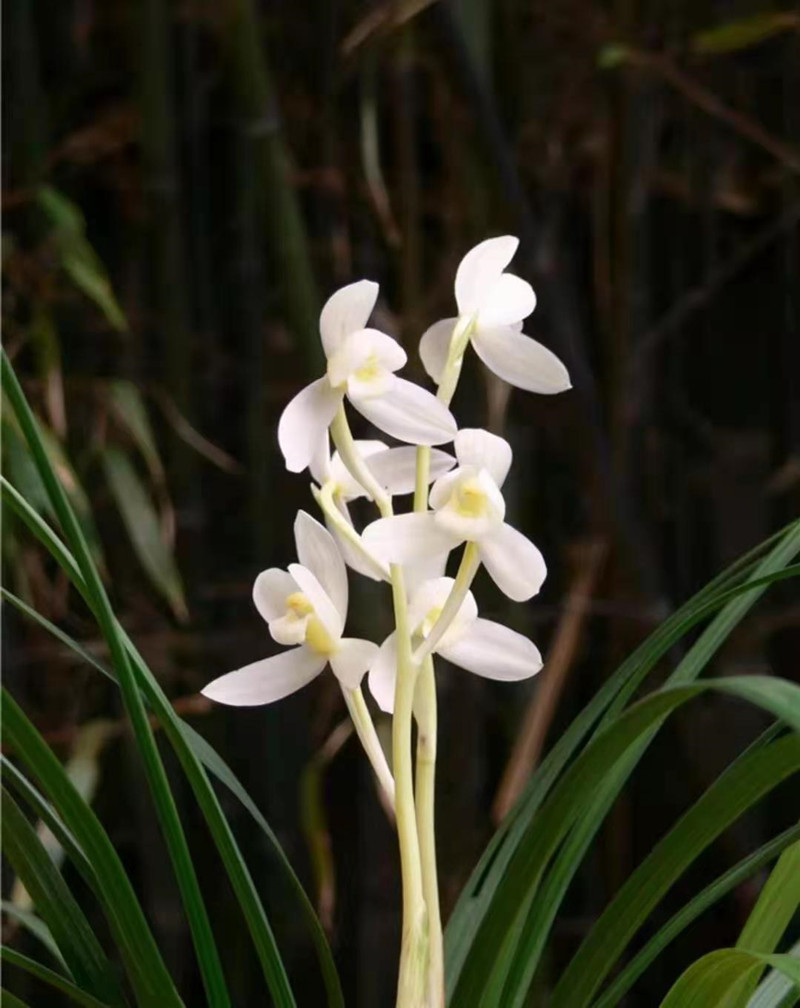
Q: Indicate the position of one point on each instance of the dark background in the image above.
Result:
(235, 162)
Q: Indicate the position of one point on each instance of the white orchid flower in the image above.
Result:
(361, 366)
(305, 605)
(393, 468)
(468, 506)
(478, 645)
(491, 306)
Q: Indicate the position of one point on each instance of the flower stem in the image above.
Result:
(324, 497)
(365, 729)
(425, 713)
(412, 982)
(470, 561)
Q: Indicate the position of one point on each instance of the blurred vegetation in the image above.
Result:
(182, 183)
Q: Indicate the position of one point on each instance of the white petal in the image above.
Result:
(513, 562)
(434, 347)
(344, 312)
(349, 488)
(383, 674)
(407, 538)
(396, 468)
(317, 550)
(509, 300)
(352, 660)
(479, 448)
(492, 650)
(352, 557)
(409, 413)
(270, 591)
(520, 360)
(418, 573)
(320, 464)
(303, 423)
(289, 629)
(267, 680)
(361, 347)
(479, 270)
(431, 596)
(324, 609)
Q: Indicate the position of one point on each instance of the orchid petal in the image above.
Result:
(318, 552)
(303, 423)
(480, 269)
(320, 464)
(324, 609)
(408, 413)
(267, 680)
(345, 311)
(407, 538)
(361, 347)
(434, 347)
(352, 660)
(383, 674)
(479, 448)
(509, 300)
(347, 486)
(395, 469)
(417, 573)
(515, 565)
(271, 589)
(520, 360)
(493, 651)
(430, 597)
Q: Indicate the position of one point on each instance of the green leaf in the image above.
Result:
(9, 1000)
(67, 923)
(776, 906)
(745, 782)
(151, 981)
(199, 925)
(141, 521)
(720, 887)
(214, 763)
(572, 793)
(743, 33)
(35, 925)
(50, 977)
(738, 587)
(78, 258)
(128, 406)
(718, 979)
(776, 990)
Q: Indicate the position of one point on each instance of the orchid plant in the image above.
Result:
(305, 607)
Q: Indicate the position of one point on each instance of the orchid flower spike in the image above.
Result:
(491, 307)
(481, 646)
(304, 606)
(467, 507)
(361, 366)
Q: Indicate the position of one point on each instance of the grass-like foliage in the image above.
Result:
(499, 934)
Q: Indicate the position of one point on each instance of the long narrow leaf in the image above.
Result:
(716, 980)
(35, 926)
(743, 783)
(573, 792)
(149, 976)
(720, 887)
(199, 924)
(76, 941)
(191, 760)
(777, 904)
(776, 990)
(55, 980)
(477, 896)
